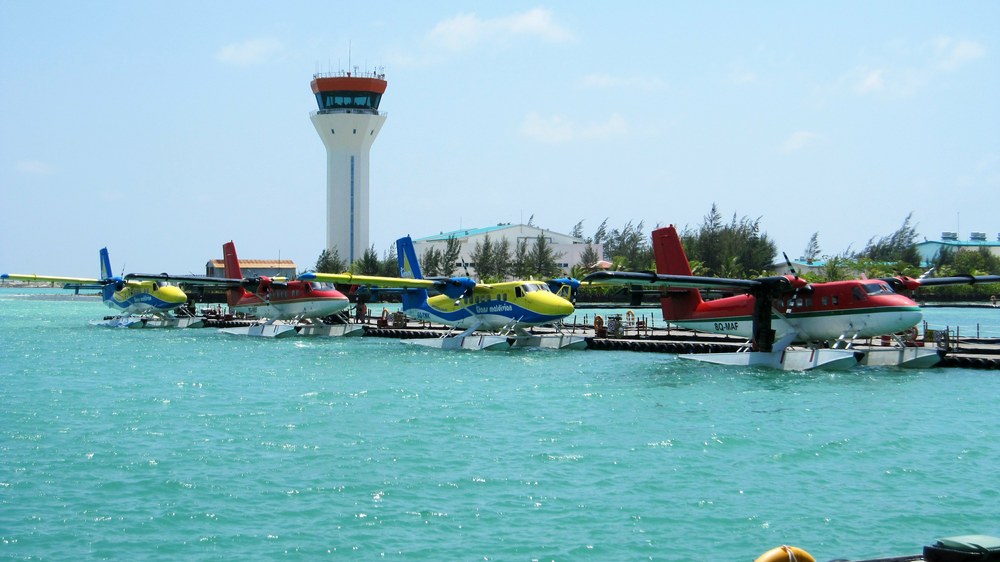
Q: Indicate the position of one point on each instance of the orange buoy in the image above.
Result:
(785, 553)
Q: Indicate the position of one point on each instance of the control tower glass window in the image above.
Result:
(332, 101)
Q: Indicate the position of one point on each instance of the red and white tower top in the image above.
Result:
(344, 91)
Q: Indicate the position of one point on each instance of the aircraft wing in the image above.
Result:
(50, 279)
(898, 283)
(190, 279)
(958, 280)
(671, 281)
(369, 280)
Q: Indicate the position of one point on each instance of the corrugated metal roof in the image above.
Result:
(464, 232)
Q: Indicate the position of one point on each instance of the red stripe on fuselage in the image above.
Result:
(835, 296)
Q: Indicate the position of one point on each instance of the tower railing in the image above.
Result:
(347, 110)
(349, 74)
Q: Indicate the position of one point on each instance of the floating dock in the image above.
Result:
(968, 353)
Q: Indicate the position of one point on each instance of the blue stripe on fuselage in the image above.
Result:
(144, 300)
(421, 309)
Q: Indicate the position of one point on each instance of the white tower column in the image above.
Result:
(348, 121)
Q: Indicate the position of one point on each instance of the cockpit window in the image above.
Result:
(878, 288)
(532, 287)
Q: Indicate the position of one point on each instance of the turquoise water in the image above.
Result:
(189, 444)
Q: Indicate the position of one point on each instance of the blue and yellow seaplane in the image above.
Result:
(482, 316)
(141, 304)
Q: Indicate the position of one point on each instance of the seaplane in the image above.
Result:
(140, 304)
(775, 312)
(493, 316)
(286, 308)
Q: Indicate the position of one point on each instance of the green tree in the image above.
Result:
(577, 231)
(812, 248)
(588, 258)
(330, 262)
(601, 233)
(449, 257)
(502, 259)
(837, 269)
(483, 257)
(716, 244)
(367, 264)
(541, 258)
(629, 247)
(900, 246)
(389, 266)
(430, 262)
(520, 265)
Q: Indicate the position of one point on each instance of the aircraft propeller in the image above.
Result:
(456, 287)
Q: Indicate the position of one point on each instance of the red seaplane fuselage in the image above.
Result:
(279, 300)
(857, 308)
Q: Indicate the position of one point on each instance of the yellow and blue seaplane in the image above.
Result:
(141, 304)
(482, 316)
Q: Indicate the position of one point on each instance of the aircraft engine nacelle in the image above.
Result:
(257, 284)
(457, 287)
(904, 282)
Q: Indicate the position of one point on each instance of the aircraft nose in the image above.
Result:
(170, 293)
(557, 306)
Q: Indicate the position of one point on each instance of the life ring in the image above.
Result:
(385, 314)
(630, 318)
(598, 322)
(785, 553)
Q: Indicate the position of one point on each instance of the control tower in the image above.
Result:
(348, 122)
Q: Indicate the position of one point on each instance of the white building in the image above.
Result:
(929, 249)
(567, 249)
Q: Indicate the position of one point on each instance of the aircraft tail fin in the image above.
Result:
(231, 261)
(233, 271)
(671, 259)
(106, 272)
(409, 267)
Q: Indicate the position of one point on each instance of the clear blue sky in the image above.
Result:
(163, 129)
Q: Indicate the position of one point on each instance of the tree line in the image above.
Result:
(493, 260)
(737, 248)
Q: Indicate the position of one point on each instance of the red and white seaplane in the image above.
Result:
(775, 312)
(286, 308)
